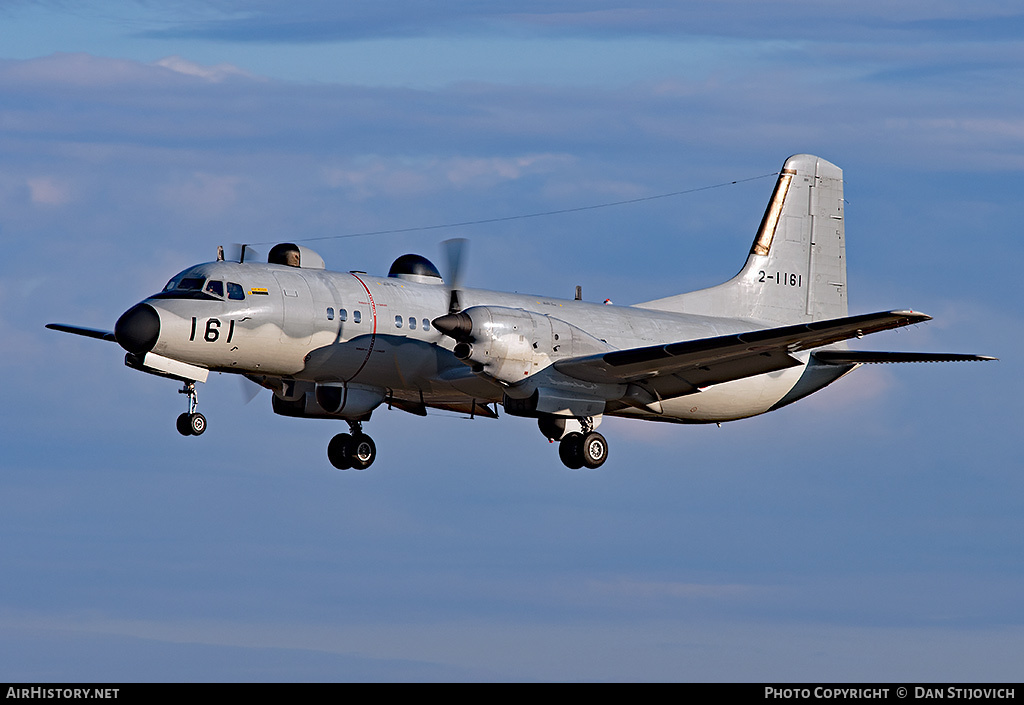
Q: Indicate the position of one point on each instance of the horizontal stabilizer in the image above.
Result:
(865, 357)
(87, 332)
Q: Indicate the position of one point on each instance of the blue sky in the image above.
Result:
(872, 532)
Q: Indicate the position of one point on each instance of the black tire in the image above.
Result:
(362, 452)
(197, 424)
(570, 451)
(338, 451)
(183, 425)
(594, 450)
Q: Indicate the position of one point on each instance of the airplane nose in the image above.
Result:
(138, 329)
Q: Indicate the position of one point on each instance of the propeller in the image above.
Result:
(455, 324)
(251, 385)
(249, 389)
(455, 251)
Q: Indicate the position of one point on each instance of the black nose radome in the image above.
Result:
(138, 328)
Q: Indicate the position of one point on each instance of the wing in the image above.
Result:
(87, 332)
(684, 367)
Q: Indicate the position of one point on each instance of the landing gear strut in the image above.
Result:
(352, 450)
(191, 423)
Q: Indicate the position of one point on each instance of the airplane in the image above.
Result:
(340, 345)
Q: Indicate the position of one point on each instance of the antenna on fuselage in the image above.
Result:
(238, 252)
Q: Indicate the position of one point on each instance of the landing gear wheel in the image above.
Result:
(594, 450)
(362, 452)
(338, 451)
(191, 424)
(570, 450)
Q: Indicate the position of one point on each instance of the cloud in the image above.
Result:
(316, 22)
(309, 22)
(645, 590)
(203, 193)
(79, 70)
(494, 555)
(214, 74)
(47, 191)
(382, 176)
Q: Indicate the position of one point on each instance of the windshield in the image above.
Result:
(185, 283)
(188, 287)
(184, 286)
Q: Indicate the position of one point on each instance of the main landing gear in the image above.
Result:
(353, 450)
(191, 423)
(577, 448)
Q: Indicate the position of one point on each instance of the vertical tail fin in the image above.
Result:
(796, 269)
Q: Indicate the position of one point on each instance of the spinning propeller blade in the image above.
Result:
(455, 251)
(249, 389)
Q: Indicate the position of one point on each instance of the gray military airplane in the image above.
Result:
(339, 345)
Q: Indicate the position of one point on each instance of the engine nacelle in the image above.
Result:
(330, 400)
(349, 400)
(510, 344)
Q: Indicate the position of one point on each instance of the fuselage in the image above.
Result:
(323, 327)
(339, 345)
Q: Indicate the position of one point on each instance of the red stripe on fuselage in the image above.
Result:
(373, 330)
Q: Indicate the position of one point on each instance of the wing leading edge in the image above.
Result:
(684, 367)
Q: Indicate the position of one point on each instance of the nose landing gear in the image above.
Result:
(191, 423)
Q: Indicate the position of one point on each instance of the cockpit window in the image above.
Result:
(193, 287)
(183, 287)
(183, 283)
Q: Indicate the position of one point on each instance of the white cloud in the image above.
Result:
(202, 193)
(375, 176)
(213, 74)
(48, 191)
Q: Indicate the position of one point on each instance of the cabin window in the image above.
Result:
(235, 292)
(342, 314)
(330, 313)
(216, 288)
(357, 316)
(426, 324)
(412, 323)
(398, 321)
